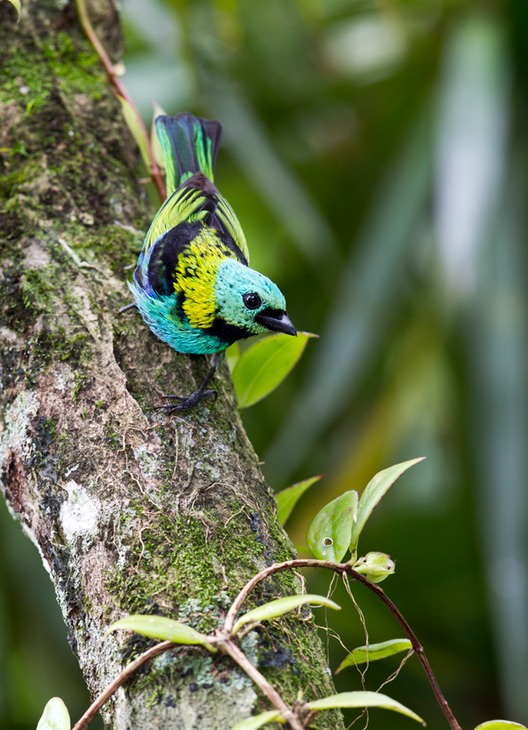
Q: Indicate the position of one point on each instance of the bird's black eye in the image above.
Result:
(252, 300)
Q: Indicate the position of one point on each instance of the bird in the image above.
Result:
(192, 284)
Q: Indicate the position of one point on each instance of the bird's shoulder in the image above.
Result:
(195, 276)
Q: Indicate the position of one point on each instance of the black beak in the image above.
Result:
(276, 320)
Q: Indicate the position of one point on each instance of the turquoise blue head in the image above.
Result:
(249, 301)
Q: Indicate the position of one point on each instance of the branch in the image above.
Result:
(234, 651)
(342, 569)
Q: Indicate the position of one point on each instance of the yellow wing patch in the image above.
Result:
(195, 276)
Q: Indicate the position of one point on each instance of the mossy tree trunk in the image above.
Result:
(132, 510)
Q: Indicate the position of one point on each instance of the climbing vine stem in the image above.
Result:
(225, 640)
(347, 569)
(122, 677)
(120, 88)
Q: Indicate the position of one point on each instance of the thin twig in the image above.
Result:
(127, 672)
(418, 649)
(234, 651)
(246, 590)
(114, 79)
(346, 568)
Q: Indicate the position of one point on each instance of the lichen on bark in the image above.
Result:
(132, 510)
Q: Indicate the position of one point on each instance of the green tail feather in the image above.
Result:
(189, 145)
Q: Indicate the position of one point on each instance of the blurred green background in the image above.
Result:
(376, 154)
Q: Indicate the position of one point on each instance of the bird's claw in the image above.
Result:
(186, 402)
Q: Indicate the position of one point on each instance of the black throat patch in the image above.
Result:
(227, 333)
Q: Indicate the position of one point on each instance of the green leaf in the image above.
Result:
(373, 492)
(264, 365)
(329, 533)
(165, 629)
(375, 566)
(360, 700)
(18, 7)
(288, 498)
(252, 723)
(131, 119)
(373, 652)
(55, 716)
(500, 725)
(279, 607)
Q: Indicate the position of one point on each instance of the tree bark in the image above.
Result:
(133, 511)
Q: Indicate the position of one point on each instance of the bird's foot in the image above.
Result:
(186, 402)
(126, 307)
